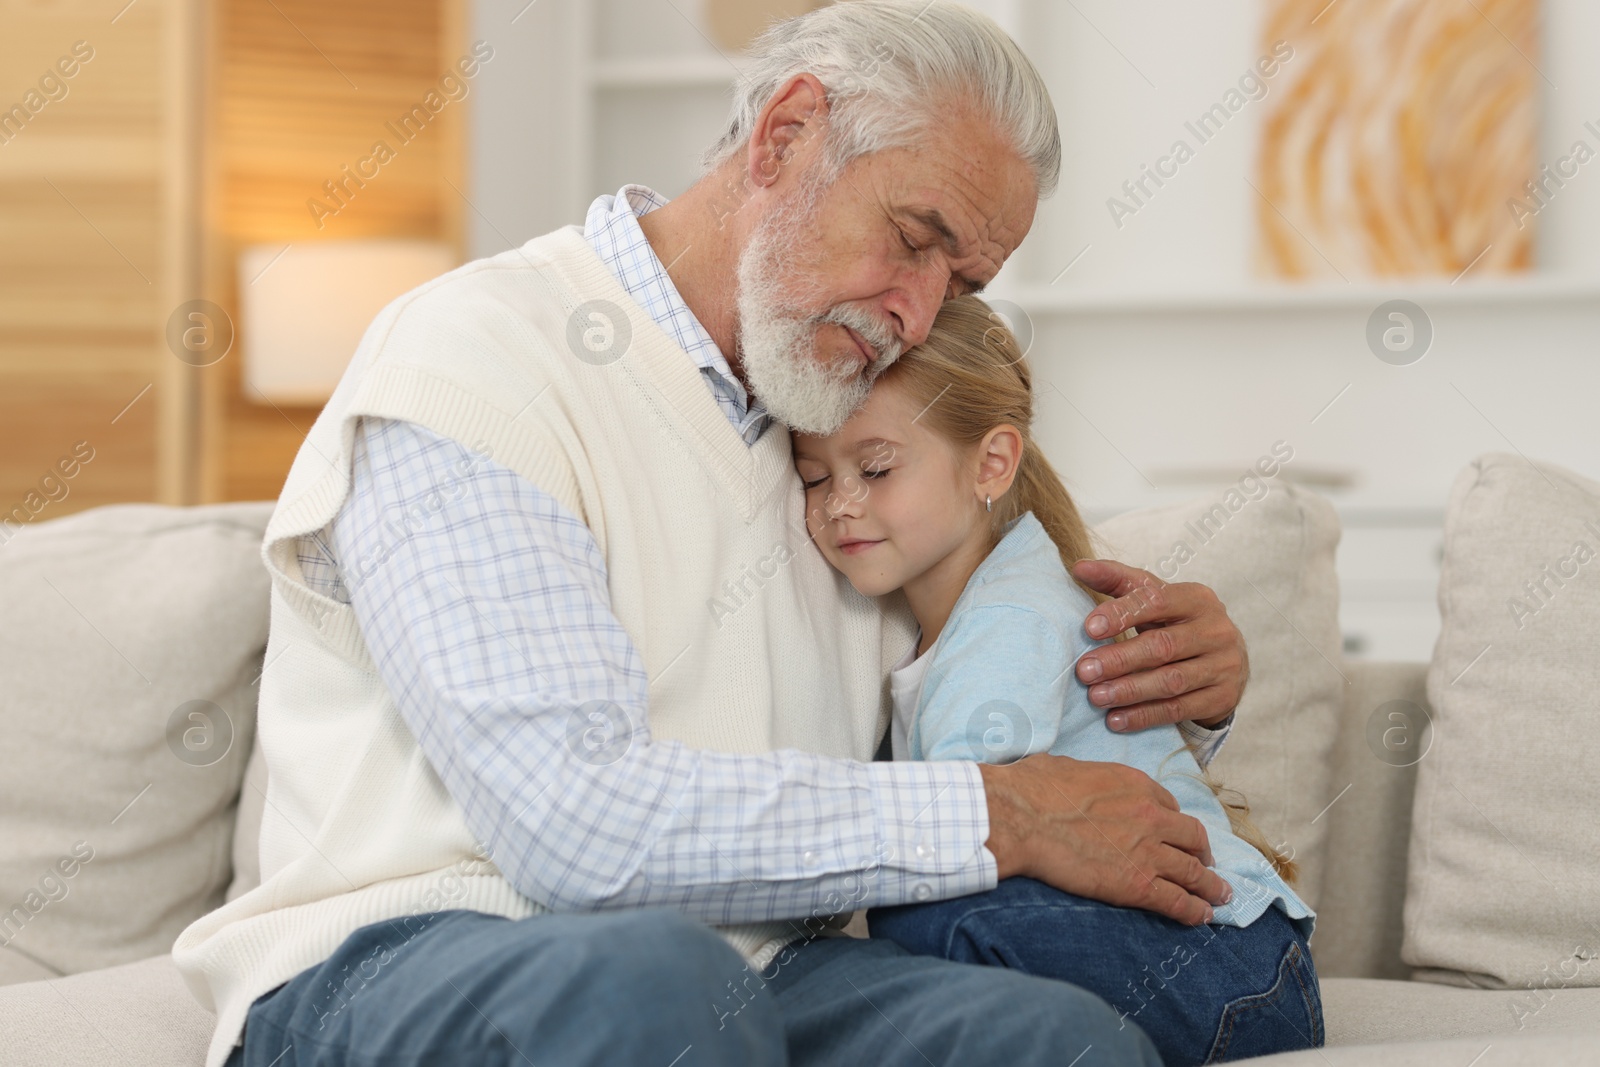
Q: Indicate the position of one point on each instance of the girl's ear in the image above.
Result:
(999, 456)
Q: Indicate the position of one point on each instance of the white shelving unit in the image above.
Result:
(651, 101)
(1043, 298)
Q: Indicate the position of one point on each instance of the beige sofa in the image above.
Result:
(86, 980)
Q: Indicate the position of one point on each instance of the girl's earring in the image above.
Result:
(988, 505)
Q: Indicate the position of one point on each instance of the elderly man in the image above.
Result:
(570, 731)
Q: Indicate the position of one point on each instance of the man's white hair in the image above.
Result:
(891, 70)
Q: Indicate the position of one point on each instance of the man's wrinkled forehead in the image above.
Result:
(976, 204)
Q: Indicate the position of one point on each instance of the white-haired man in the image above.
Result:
(570, 732)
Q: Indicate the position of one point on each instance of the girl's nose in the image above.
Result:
(844, 503)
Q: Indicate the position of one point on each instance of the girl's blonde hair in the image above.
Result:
(970, 376)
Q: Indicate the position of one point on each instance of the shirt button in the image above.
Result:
(922, 891)
(926, 851)
(809, 858)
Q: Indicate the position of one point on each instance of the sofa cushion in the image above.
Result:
(1504, 880)
(1270, 560)
(136, 1015)
(1568, 1049)
(131, 643)
(1360, 914)
(1369, 1011)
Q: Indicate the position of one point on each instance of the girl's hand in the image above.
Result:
(1188, 660)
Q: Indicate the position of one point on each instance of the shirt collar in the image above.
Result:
(612, 229)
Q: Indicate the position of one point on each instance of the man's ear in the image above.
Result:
(999, 457)
(789, 123)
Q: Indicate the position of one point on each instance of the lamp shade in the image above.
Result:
(303, 309)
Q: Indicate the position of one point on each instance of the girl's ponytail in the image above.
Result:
(1038, 488)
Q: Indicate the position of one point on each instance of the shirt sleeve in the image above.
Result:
(1205, 741)
(988, 711)
(485, 606)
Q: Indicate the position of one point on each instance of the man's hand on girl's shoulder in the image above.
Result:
(1187, 661)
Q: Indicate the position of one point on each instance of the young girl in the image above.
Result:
(936, 487)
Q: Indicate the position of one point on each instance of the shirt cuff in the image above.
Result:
(1206, 741)
(933, 820)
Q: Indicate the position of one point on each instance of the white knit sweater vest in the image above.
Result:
(751, 641)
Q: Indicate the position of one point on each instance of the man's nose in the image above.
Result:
(918, 303)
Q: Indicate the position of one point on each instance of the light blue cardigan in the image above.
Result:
(1002, 685)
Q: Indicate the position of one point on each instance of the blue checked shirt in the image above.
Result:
(491, 627)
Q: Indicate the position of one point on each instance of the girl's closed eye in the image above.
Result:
(878, 472)
(813, 483)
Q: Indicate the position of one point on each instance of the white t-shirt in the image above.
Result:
(905, 690)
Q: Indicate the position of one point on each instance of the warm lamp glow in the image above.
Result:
(303, 311)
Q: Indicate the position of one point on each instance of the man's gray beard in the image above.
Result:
(778, 346)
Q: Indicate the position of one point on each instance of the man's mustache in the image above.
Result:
(874, 330)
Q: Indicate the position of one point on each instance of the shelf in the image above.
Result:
(1046, 299)
(683, 72)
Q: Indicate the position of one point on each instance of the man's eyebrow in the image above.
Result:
(933, 218)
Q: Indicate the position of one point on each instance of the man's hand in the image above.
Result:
(1101, 830)
(1188, 660)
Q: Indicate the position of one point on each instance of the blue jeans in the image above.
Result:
(651, 987)
(1203, 994)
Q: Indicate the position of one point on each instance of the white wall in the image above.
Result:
(523, 124)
